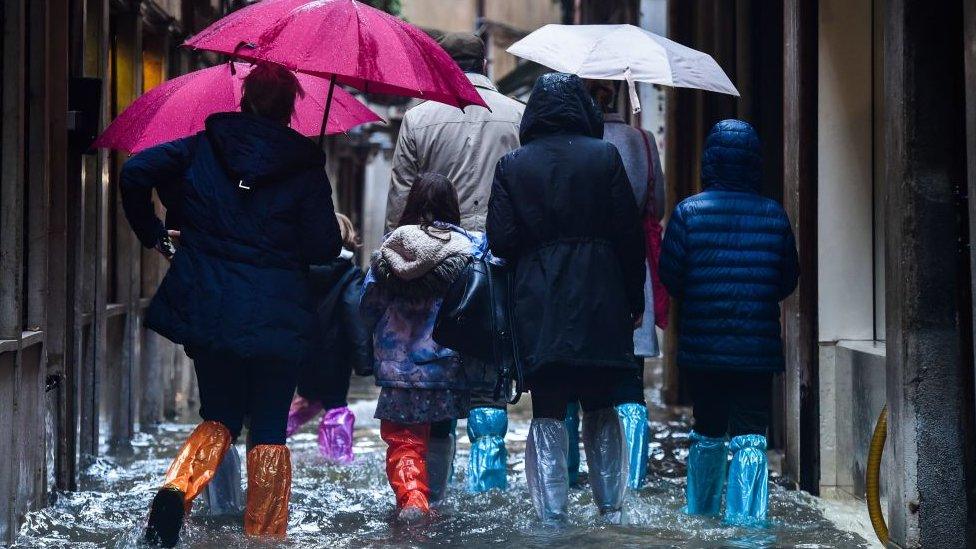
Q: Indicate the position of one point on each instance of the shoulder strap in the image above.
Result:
(649, 203)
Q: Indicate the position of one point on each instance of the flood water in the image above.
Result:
(352, 506)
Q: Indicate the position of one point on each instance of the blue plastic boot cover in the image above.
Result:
(488, 464)
(545, 469)
(633, 417)
(572, 428)
(440, 465)
(606, 459)
(223, 494)
(707, 458)
(748, 496)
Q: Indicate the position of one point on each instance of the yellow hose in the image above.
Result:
(873, 479)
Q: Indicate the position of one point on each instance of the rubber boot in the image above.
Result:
(224, 495)
(189, 473)
(607, 460)
(335, 435)
(572, 430)
(707, 458)
(268, 490)
(440, 464)
(301, 412)
(545, 469)
(748, 494)
(633, 418)
(406, 467)
(488, 464)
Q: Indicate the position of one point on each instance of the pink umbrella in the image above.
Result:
(179, 107)
(351, 42)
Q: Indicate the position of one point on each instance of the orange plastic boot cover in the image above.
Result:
(406, 462)
(268, 490)
(198, 460)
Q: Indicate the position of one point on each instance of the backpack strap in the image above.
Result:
(649, 203)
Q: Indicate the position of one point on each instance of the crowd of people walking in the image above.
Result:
(561, 195)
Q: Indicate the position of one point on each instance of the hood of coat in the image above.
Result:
(257, 151)
(732, 159)
(560, 104)
(421, 261)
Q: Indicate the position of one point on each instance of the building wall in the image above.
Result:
(77, 369)
(449, 16)
(845, 141)
(852, 364)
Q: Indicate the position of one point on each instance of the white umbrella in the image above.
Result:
(622, 52)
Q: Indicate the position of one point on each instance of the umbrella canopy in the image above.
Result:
(361, 46)
(179, 107)
(622, 52)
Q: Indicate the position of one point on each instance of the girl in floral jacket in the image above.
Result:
(424, 388)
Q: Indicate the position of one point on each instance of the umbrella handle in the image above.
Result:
(632, 90)
(328, 107)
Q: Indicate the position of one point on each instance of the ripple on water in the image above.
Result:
(353, 507)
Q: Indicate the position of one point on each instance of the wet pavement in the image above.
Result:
(352, 506)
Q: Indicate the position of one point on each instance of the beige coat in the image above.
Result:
(463, 146)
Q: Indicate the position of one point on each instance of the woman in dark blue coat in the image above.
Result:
(562, 210)
(730, 257)
(255, 210)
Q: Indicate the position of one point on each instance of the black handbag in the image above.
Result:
(476, 320)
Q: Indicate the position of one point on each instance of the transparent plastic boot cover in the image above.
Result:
(224, 495)
(487, 466)
(572, 429)
(545, 468)
(440, 463)
(707, 458)
(633, 418)
(606, 459)
(748, 494)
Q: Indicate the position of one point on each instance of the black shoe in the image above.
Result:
(165, 518)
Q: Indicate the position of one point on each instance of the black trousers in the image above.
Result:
(327, 383)
(232, 389)
(554, 386)
(442, 429)
(630, 389)
(730, 403)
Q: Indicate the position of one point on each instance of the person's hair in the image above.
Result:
(472, 65)
(432, 198)
(604, 94)
(270, 91)
(347, 231)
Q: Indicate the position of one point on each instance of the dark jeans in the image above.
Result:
(630, 390)
(232, 389)
(556, 385)
(730, 403)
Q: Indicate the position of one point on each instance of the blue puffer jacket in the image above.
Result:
(729, 255)
(255, 210)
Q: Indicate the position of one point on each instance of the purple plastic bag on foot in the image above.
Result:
(301, 412)
(335, 435)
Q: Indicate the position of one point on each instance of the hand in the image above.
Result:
(639, 321)
(167, 244)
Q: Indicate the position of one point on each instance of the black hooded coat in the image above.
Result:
(563, 210)
(255, 210)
